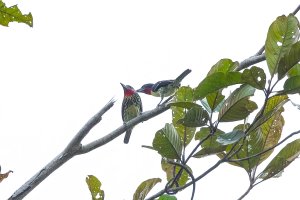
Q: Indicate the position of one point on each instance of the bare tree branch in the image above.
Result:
(75, 147)
(251, 61)
(117, 132)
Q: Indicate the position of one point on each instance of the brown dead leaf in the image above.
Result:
(5, 175)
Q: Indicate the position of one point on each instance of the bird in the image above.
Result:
(131, 107)
(163, 88)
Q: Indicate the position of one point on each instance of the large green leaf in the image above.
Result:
(144, 188)
(238, 106)
(282, 34)
(13, 14)
(255, 77)
(274, 106)
(94, 186)
(224, 65)
(271, 131)
(207, 151)
(215, 100)
(285, 157)
(195, 117)
(295, 71)
(231, 137)
(183, 100)
(289, 60)
(251, 145)
(291, 85)
(167, 142)
(171, 171)
(210, 146)
(215, 82)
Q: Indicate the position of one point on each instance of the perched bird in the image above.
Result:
(164, 88)
(131, 107)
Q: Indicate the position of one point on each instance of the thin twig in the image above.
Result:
(189, 173)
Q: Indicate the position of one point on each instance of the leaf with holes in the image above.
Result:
(195, 117)
(215, 82)
(13, 14)
(144, 188)
(167, 142)
(289, 60)
(183, 100)
(171, 171)
(238, 106)
(255, 77)
(285, 157)
(282, 34)
(274, 106)
(94, 186)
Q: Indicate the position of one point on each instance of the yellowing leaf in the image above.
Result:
(144, 188)
(94, 186)
(13, 14)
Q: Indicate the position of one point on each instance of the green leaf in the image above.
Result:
(271, 131)
(167, 142)
(251, 145)
(167, 197)
(295, 71)
(183, 100)
(224, 65)
(144, 188)
(289, 60)
(215, 100)
(282, 34)
(291, 85)
(266, 135)
(195, 117)
(94, 186)
(255, 77)
(210, 145)
(13, 14)
(215, 82)
(172, 170)
(184, 104)
(274, 106)
(238, 106)
(209, 151)
(231, 137)
(285, 157)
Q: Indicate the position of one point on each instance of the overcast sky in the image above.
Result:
(58, 74)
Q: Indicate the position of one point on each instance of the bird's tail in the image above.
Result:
(178, 80)
(127, 136)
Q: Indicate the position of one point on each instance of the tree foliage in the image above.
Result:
(13, 14)
(225, 95)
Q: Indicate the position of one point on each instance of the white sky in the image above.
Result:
(58, 74)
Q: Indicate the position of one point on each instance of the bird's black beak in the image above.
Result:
(140, 90)
(124, 86)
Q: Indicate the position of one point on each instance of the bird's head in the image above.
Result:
(128, 90)
(147, 88)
